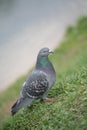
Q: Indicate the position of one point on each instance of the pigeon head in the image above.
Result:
(44, 52)
(42, 58)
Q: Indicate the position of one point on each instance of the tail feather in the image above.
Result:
(13, 108)
(20, 104)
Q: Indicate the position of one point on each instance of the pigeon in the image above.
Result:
(38, 83)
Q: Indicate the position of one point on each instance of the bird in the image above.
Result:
(38, 83)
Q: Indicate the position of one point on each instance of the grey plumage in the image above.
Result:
(38, 82)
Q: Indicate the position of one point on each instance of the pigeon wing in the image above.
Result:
(36, 85)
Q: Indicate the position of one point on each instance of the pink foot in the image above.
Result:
(48, 99)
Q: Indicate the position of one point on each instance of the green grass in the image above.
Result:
(69, 109)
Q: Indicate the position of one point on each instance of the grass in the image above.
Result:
(69, 109)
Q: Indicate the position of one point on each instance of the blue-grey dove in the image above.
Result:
(38, 83)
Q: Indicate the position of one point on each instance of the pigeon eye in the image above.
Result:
(45, 51)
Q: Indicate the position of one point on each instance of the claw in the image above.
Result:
(48, 99)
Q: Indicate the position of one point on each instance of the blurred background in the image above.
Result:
(28, 25)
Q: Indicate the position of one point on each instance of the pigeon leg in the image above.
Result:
(45, 99)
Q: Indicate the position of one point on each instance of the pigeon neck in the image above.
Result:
(42, 62)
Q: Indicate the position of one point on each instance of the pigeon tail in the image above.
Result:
(20, 104)
(14, 108)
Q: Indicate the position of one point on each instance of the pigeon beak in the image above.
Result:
(50, 52)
